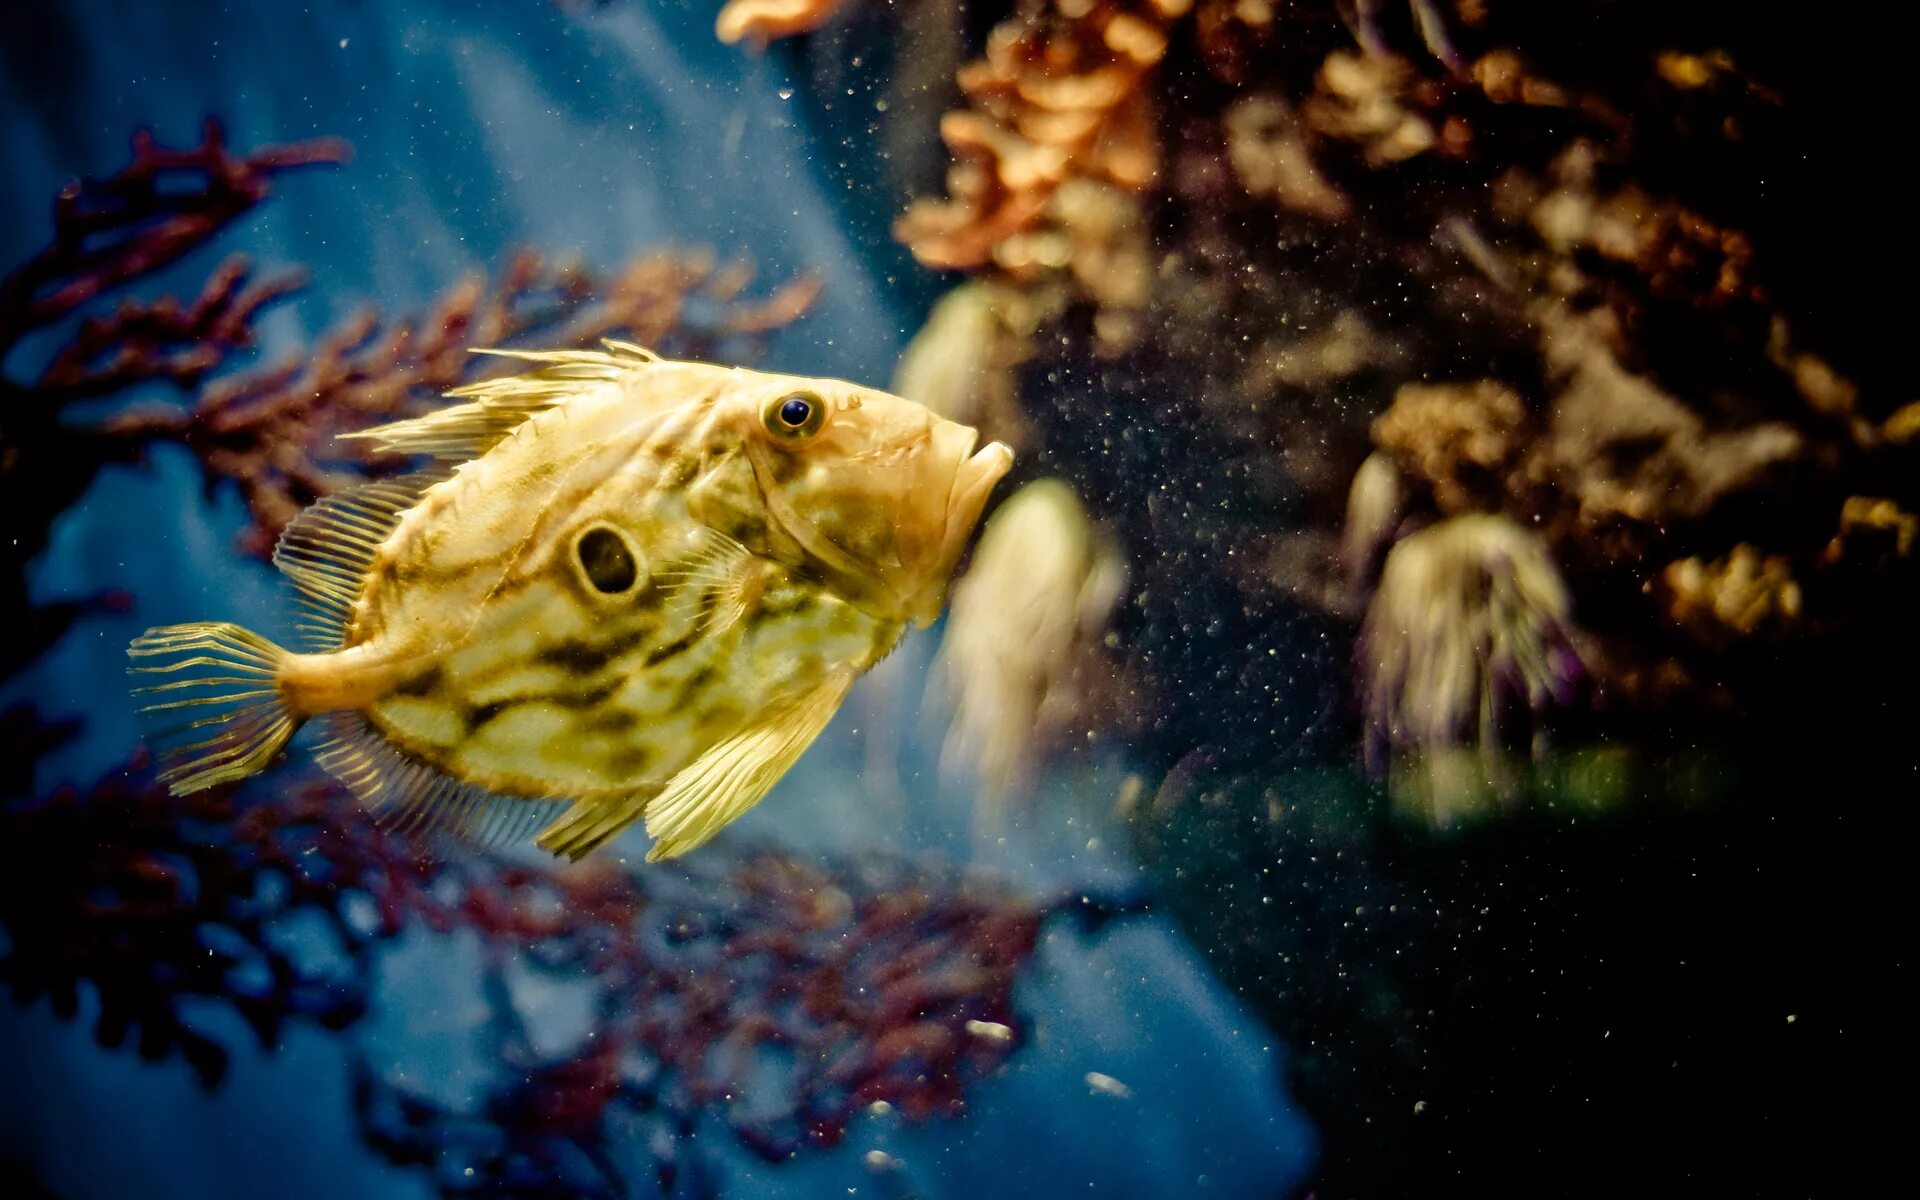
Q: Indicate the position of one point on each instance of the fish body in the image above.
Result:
(643, 590)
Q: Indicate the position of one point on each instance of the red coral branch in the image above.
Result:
(161, 205)
(163, 339)
(779, 997)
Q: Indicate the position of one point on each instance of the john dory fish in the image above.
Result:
(633, 587)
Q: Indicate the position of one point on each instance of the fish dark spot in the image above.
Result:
(606, 560)
(712, 724)
(788, 601)
(480, 714)
(697, 682)
(609, 720)
(387, 575)
(630, 760)
(676, 647)
(783, 467)
(424, 684)
(590, 698)
(584, 657)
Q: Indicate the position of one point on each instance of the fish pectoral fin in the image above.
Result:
(710, 792)
(733, 776)
(727, 579)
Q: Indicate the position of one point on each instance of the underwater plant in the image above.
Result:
(783, 998)
(875, 981)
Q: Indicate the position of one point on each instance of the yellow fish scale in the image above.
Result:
(625, 706)
(612, 694)
(448, 555)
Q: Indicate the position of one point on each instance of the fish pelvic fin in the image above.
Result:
(211, 700)
(589, 824)
(711, 792)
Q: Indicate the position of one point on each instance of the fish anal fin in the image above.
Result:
(415, 797)
(328, 549)
(588, 824)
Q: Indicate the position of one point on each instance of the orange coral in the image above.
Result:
(1060, 95)
(1872, 530)
(1459, 438)
(1372, 99)
(1270, 154)
(1742, 595)
(763, 21)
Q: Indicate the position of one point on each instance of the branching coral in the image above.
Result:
(780, 997)
(270, 430)
(107, 233)
(879, 981)
(160, 206)
(155, 903)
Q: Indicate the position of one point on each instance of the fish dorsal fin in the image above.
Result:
(412, 797)
(713, 790)
(498, 406)
(329, 548)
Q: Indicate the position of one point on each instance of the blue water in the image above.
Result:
(608, 130)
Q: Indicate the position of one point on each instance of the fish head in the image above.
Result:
(871, 492)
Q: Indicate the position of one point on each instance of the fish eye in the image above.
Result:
(795, 415)
(606, 561)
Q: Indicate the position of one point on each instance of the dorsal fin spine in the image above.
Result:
(328, 550)
(498, 406)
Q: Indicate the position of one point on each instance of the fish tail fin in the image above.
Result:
(211, 699)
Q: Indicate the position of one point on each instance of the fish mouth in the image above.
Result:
(974, 476)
